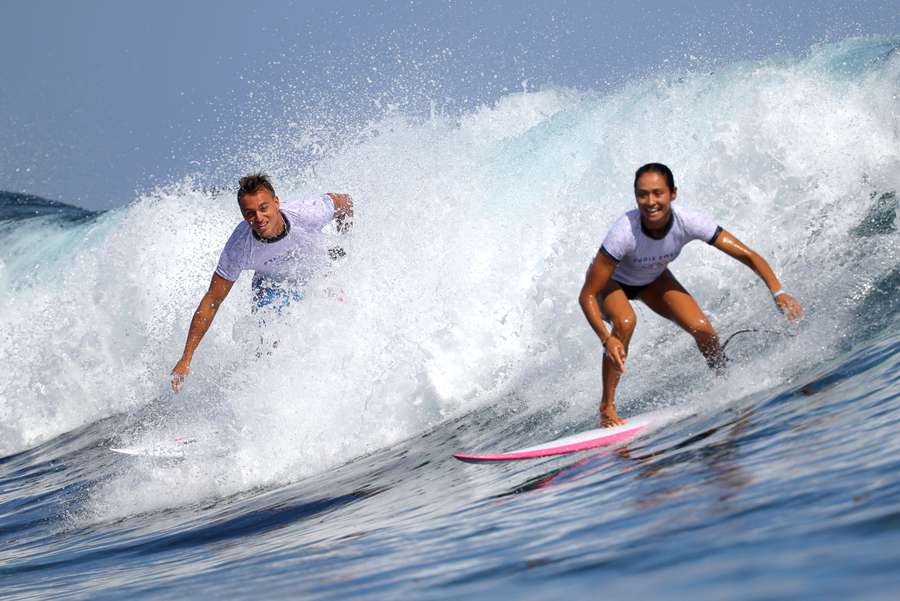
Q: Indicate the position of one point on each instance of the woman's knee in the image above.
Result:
(701, 329)
(624, 323)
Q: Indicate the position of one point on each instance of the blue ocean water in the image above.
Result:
(323, 470)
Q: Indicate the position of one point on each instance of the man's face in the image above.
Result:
(260, 210)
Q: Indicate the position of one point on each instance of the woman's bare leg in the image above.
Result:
(617, 309)
(667, 297)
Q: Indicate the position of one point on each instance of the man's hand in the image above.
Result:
(179, 373)
(789, 305)
(200, 322)
(616, 352)
(343, 211)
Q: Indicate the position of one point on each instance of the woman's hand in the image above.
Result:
(616, 352)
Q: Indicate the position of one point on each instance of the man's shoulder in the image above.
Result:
(309, 213)
(303, 203)
(239, 235)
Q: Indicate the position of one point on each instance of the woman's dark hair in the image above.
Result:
(656, 168)
(253, 183)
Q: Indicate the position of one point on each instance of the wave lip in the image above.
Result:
(15, 206)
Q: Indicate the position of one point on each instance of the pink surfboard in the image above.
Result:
(582, 441)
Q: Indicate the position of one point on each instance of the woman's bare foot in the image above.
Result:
(609, 417)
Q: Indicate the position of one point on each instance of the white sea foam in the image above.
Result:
(470, 247)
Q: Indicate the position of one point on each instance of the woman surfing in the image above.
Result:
(632, 264)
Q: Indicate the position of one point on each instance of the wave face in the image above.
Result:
(473, 235)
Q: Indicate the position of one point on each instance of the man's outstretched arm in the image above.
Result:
(343, 211)
(219, 288)
(343, 218)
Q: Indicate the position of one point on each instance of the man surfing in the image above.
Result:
(632, 264)
(282, 243)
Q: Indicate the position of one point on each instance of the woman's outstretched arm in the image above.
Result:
(736, 249)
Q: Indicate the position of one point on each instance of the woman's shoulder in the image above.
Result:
(628, 220)
(623, 231)
(695, 223)
(688, 213)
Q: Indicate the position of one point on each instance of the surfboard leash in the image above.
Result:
(753, 330)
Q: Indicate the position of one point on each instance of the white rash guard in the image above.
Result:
(641, 259)
(291, 259)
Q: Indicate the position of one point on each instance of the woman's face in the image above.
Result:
(654, 198)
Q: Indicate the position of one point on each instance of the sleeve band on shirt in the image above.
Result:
(715, 235)
(609, 254)
(222, 275)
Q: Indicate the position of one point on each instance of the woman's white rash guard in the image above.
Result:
(641, 259)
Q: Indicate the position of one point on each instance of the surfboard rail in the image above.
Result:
(174, 449)
(573, 443)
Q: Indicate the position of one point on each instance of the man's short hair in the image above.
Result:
(253, 183)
